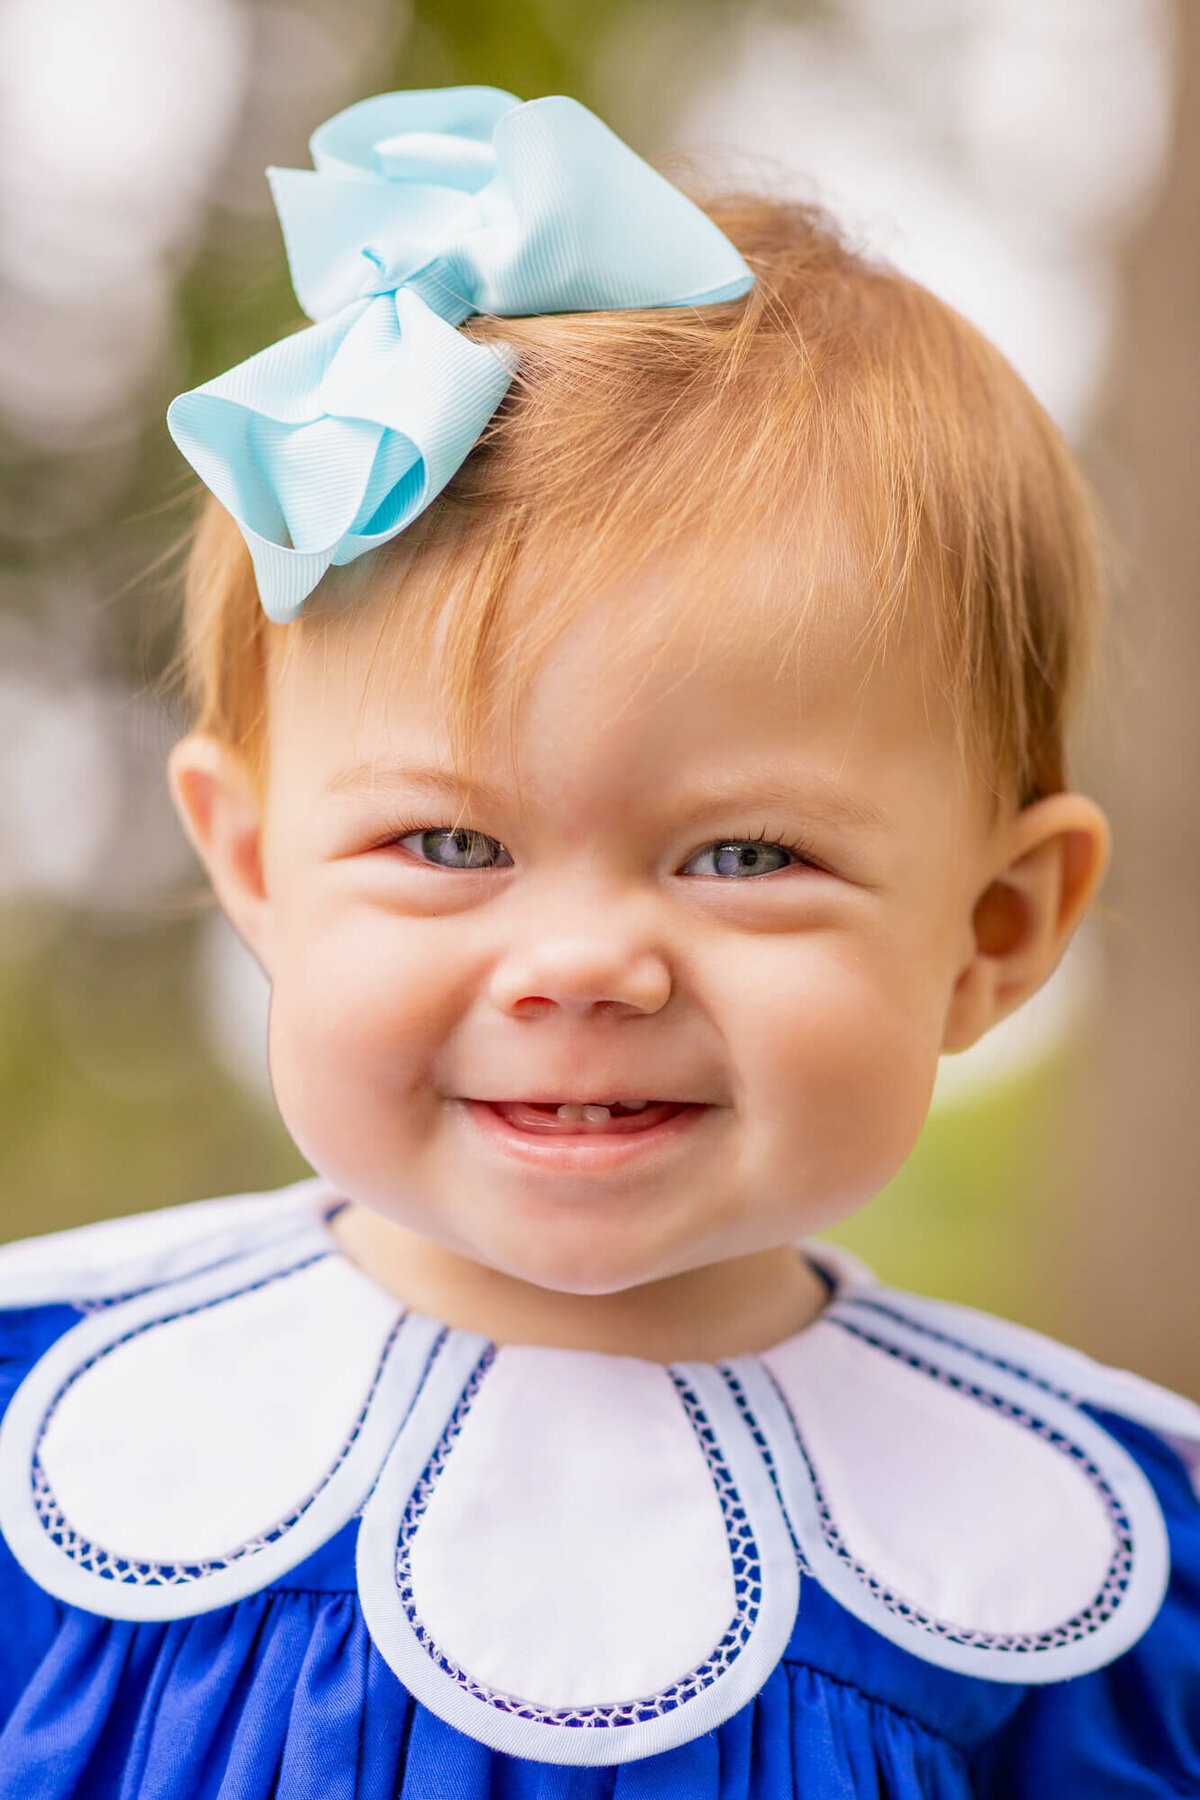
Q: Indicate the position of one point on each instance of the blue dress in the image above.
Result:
(267, 1536)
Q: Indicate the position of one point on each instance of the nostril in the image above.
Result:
(532, 1005)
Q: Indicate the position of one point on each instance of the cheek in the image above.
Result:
(359, 1010)
(837, 1053)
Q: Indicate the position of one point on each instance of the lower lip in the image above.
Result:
(584, 1150)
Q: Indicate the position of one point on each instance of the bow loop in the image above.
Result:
(334, 440)
(351, 142)
(422, 209)
(438, 157)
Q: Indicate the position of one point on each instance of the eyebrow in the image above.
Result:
(814, 794)
(817, 795)
(370, 775)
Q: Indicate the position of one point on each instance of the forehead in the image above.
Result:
(648, 680)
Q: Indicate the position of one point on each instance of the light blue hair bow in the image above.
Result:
(422, 209)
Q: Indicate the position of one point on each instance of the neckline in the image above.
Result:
(839, 1271)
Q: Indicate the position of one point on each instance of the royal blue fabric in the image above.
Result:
(283, 1697)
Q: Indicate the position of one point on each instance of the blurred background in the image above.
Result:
(1037, 162)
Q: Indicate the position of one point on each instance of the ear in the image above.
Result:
(1052, 858)
(220, 805)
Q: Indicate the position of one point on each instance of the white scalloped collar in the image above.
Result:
(571, 1557)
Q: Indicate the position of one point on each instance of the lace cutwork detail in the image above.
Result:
(1117, 1577)
(764, 1449)
(103, 1302)
(94, 1558)
(937, 1336)
(743, 1550)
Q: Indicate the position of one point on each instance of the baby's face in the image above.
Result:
(666, 986)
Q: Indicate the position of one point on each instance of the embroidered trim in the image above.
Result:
(105, 1302)
(94, 1558)
(764, 1449)
(1117, 1577)
(744, 1559)
(922, 1329)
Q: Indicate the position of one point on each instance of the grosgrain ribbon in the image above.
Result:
(421, 209)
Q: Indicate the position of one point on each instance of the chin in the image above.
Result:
(578, 1269)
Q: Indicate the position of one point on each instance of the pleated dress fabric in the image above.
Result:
(283, 1696)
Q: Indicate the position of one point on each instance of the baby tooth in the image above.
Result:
(571, 1115)
(595, 1115)
(636, 1105)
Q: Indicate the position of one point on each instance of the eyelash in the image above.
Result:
(803, 852)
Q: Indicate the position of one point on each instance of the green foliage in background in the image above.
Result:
(981, 1211)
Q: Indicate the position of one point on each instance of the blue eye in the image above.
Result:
(737, 858)
(447, 849)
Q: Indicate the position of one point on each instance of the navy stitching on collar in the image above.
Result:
(764, 1449)
(955, 1343)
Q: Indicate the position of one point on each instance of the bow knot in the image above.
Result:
(440, 282)
(420, 210)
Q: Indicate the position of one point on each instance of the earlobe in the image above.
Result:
(219, 804)
(1051, 862)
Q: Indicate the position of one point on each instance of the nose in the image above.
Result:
(581, 974)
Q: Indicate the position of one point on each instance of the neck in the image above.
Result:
(726, 1309)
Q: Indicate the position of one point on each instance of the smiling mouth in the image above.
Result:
(616, 1118)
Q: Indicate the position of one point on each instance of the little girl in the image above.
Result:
(631, 648)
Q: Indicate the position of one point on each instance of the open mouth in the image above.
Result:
(590, 1119)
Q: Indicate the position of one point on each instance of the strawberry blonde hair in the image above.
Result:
(838, 438)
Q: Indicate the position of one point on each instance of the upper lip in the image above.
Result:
(613, 1097)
